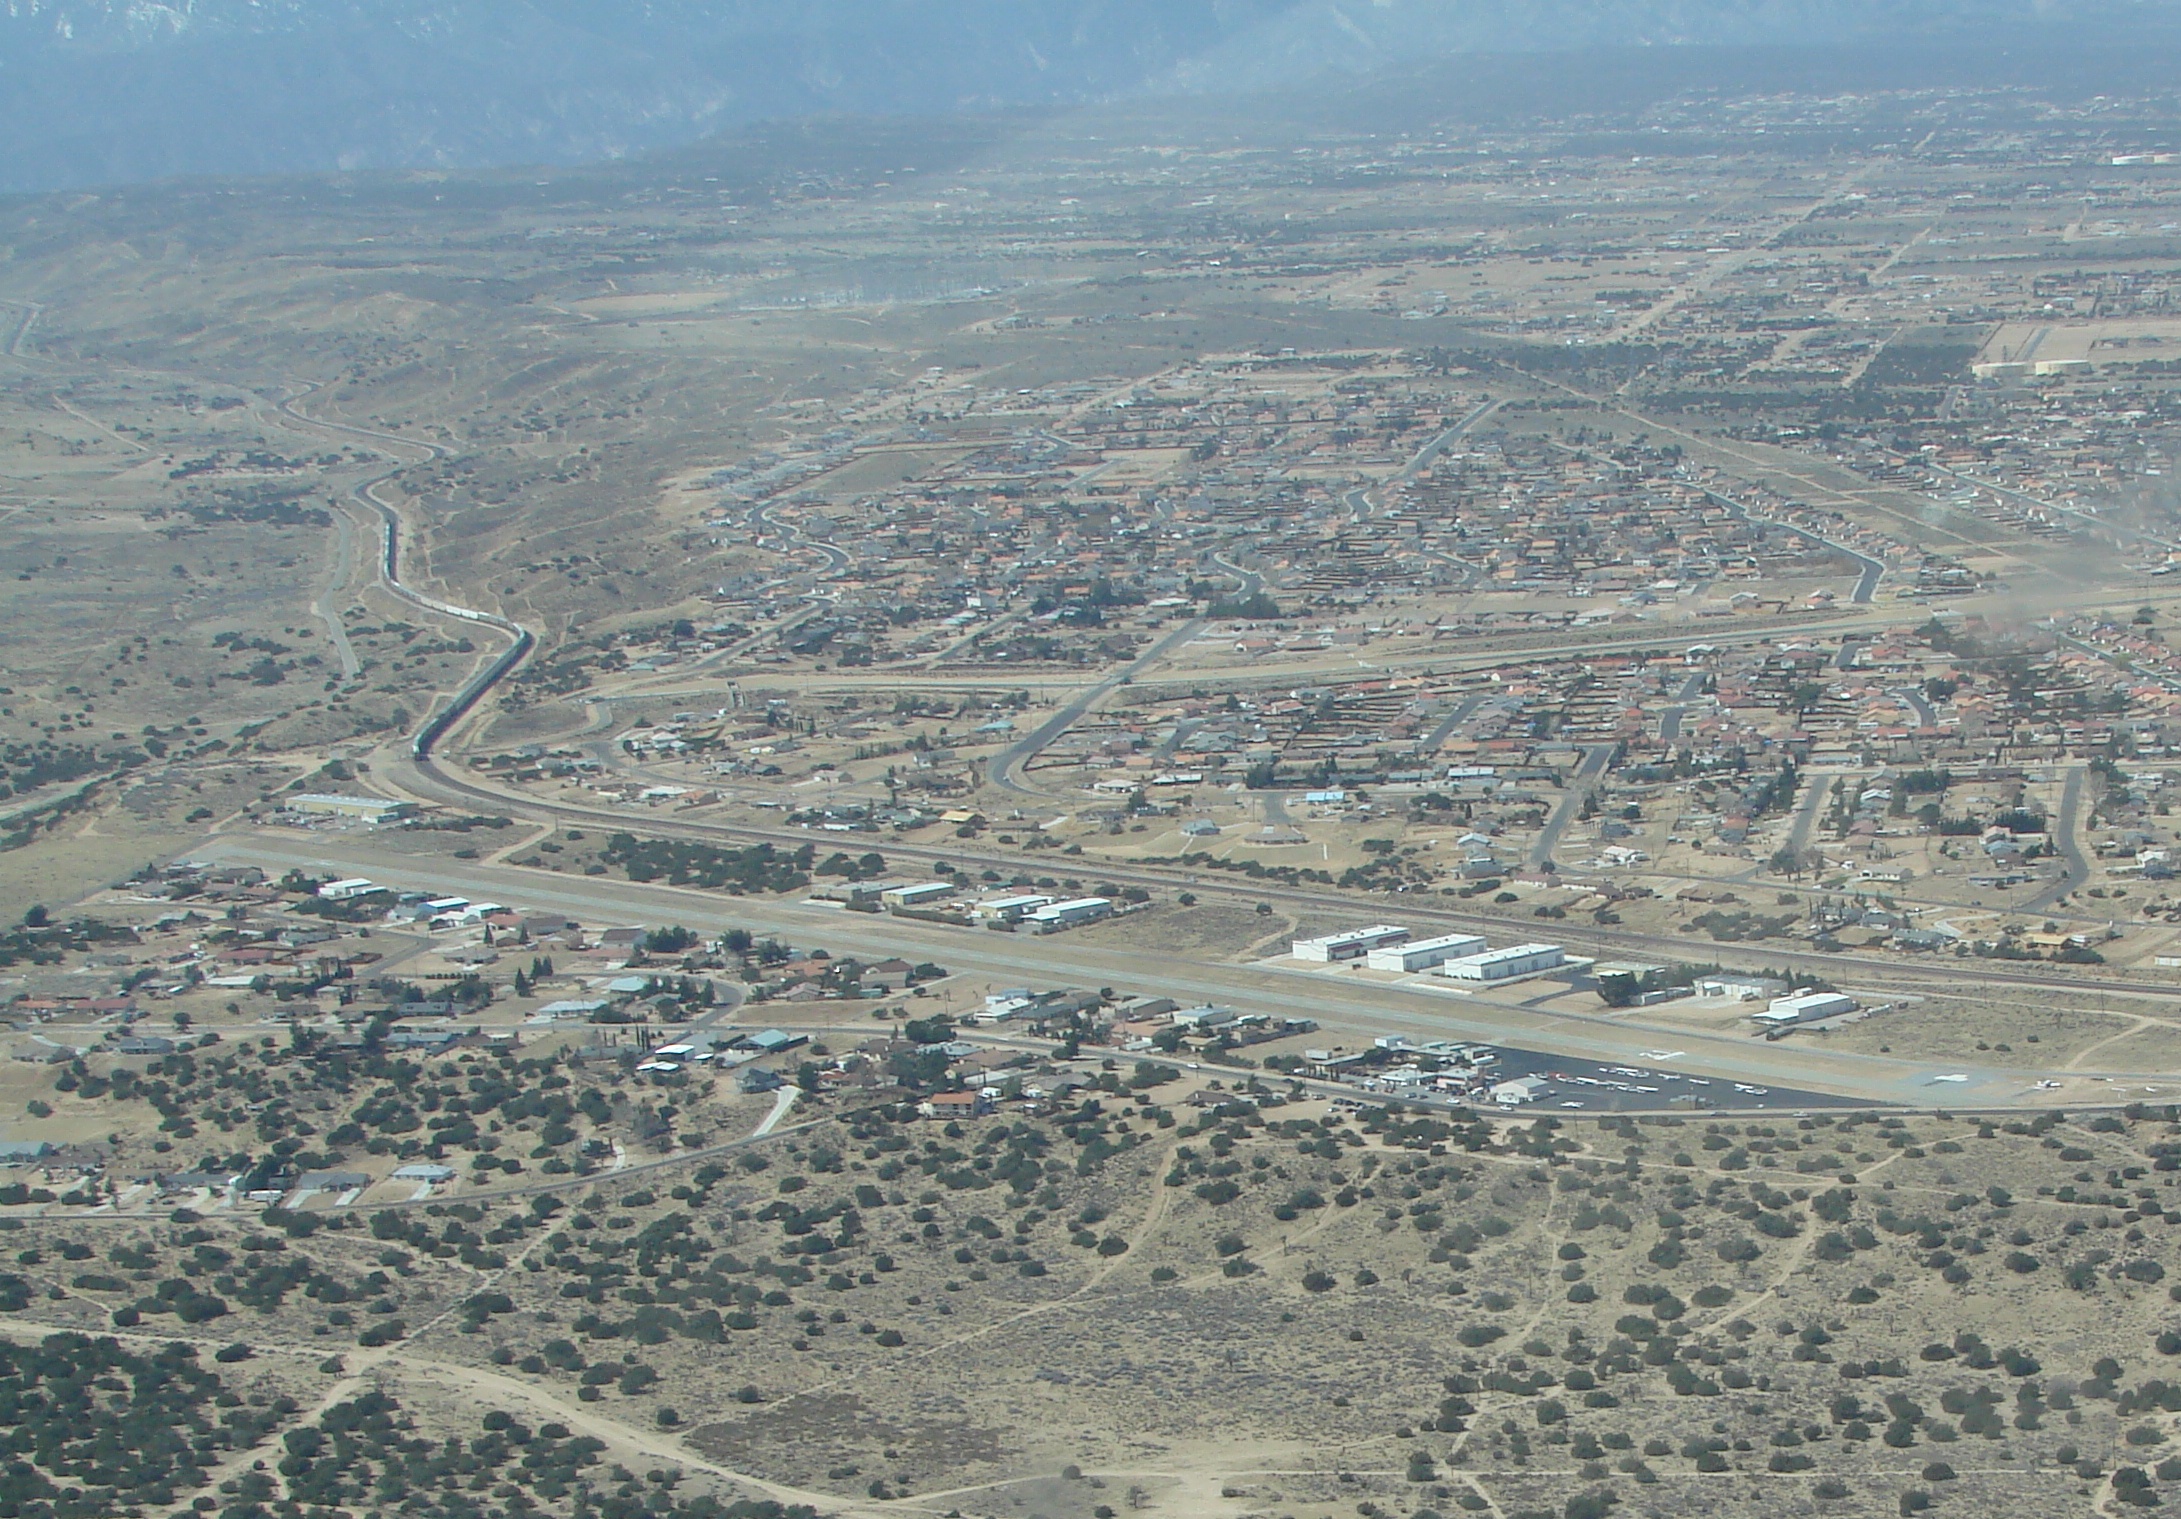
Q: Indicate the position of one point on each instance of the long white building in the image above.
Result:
(1009, 909)
(1351, 945)
(1503, 964)
(1068, 914)
(1424, 953)
(1806, 1006)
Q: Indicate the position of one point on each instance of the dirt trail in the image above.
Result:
(2138, 1024)
(1554, 1238)
(1152, 1215)
(361, 1371)
(1797, 1259)
(585, 1418)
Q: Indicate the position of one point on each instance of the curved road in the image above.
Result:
(365, 494)
(1359, 500)
(1874, 570)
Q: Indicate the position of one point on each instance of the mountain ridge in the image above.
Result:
(114, 91)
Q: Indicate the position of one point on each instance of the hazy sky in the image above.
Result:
(96, 91)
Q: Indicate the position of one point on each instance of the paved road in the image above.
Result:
(1342, 1001)
(1503, 651)
(2066, 831)
(836, 557)
(1669, 723)
(1866, 585)
(1359, 500)
(814, 601)
(2118, 529)
(783, 1101)
(1595, 759)
(1914, 700)
(1451, 721)
(1008, 764)
(1445, 440)
(1817, 790)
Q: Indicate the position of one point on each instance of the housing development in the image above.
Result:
(756, 832)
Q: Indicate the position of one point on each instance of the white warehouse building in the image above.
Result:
(1807, 1006)
(917, 895)
(1352, 945)
(1522, 1089)
(1009, 909)
(1070, 913)
(1503, 964)
(1424, 953)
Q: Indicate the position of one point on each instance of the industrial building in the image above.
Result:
(1008, 909)
(1510, 1094)
(369, 809)
(1505, 964)
(922, 894)
(1806, 1007)
(1424, 953)
(1740, 988)
(1352, 945)
(1070, 914)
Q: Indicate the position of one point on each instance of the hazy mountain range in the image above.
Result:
(96, 91)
